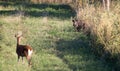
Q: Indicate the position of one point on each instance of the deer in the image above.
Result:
(23, 50)
(81, 25)
(78, 24)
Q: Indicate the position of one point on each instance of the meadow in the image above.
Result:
(48, 29)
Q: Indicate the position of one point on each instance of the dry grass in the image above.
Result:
(104, 26)
(51, 1)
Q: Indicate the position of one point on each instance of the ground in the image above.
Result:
(48, 30)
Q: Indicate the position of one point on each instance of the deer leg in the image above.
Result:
(18, 58)
(27, 57)
(22, 61)
(29, 60)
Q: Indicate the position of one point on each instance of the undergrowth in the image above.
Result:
(105, 31)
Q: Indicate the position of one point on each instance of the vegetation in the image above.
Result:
(105, 31)
(47, 28)
(57, 47)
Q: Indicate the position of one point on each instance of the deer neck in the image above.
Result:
(18, 41)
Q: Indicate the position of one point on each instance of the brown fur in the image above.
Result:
(78, 24)
(22, 50)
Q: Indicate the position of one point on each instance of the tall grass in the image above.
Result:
(105, 31)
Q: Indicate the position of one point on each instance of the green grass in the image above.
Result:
(57, 47)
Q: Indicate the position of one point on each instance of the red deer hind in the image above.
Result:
(23, 50)
(78, 24)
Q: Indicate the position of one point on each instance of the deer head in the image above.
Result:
(18, 35)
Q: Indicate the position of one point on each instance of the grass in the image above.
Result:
(104, 36)
(37, 10)
(57, 47)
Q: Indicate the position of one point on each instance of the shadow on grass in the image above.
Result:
(38, 10)
(77, 55)
(8, 12)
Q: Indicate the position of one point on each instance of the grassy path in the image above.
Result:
(56, 46)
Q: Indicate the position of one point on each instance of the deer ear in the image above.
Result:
(18, 34)
(73, 21)
(15, 35)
